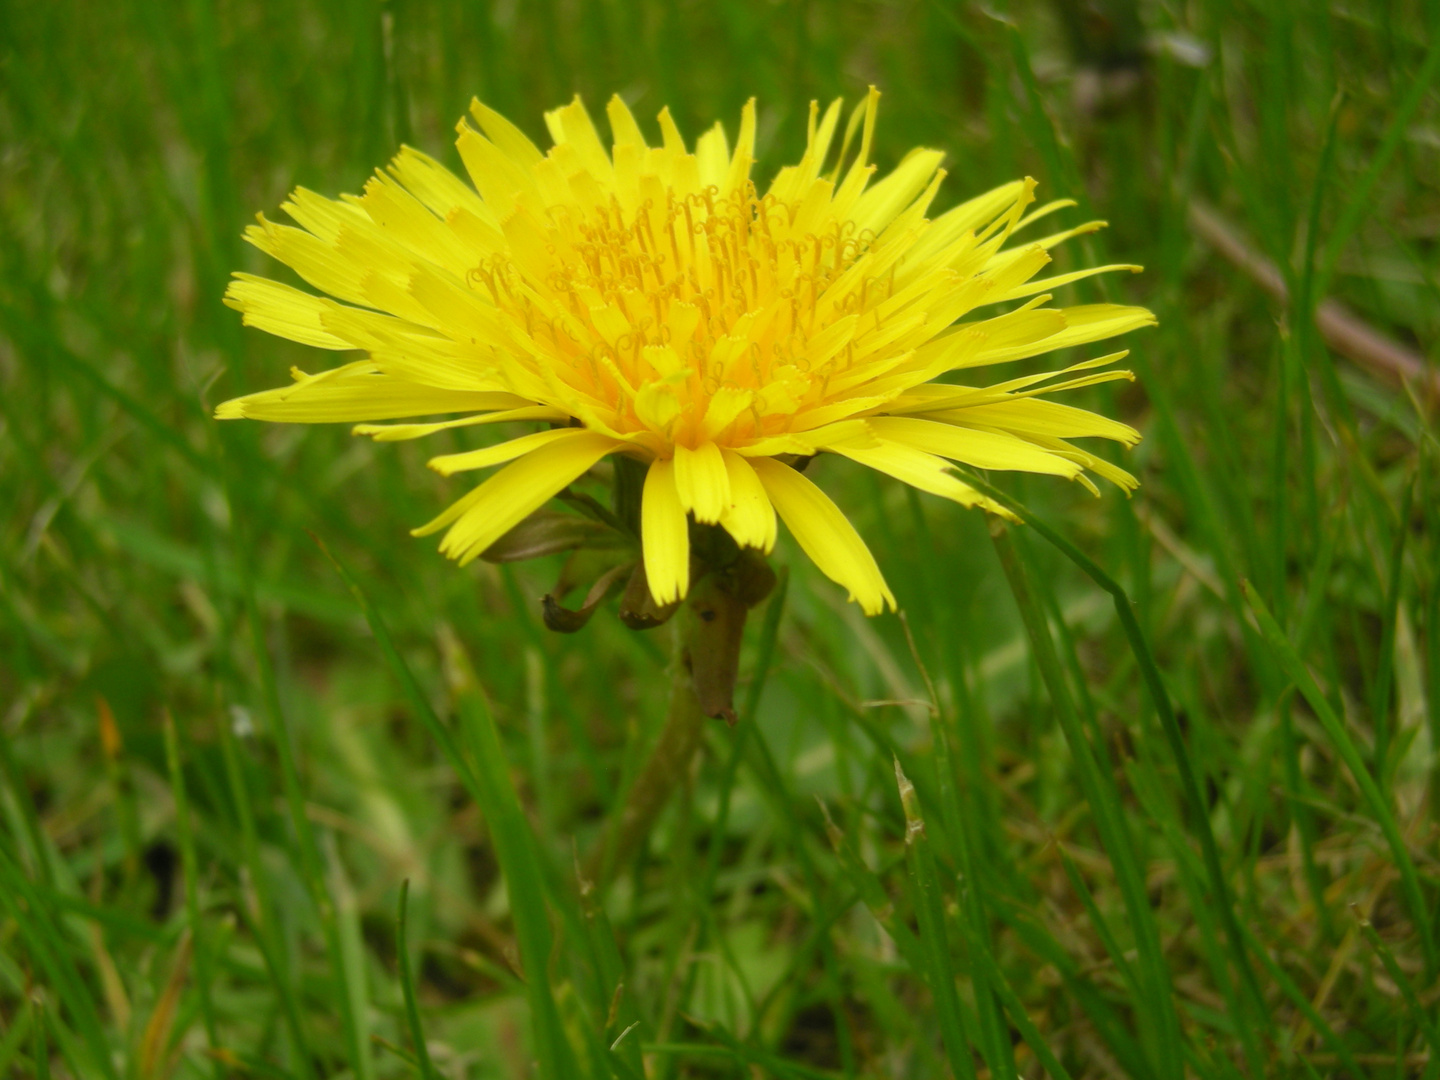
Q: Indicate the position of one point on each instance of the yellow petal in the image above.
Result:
(702, 481)
(1030, 416)
(437, 187)
(326, 218)
(825, 534)
(828, 342)
(799, 177)
(355, 392)
(455, 311)
(928, 396)
(1098, 465)
(1030, 288)
(1091, 322)
(397, 432)
(982, 449)
(1043, 212)
(835, 412)
(664, 534)
(860, 171)
(749, 517)
(483, 458)
(622, 123)
(979, 343)
(510, 139)
(878, 206)
(1056, 239)
(515, 492)
(414, 353)
(318, 261)
(674, 142)
(712, 154)
(657, 406)
(744, 156)
(925, 472)
(808, 442)
(663, 359)
(497, 176)
(571, 126)
(281, 310)
(406, 220)
(968, 217)
(726, 404)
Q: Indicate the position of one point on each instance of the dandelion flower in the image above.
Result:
(650, 301)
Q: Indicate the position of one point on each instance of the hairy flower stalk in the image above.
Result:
(652, 303)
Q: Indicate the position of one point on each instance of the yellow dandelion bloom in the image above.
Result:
(650, 301)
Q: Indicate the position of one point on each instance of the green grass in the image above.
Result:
(1172, 803)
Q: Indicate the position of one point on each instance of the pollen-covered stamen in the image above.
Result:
(658, 312)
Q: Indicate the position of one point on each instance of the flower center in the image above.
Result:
(689, 317)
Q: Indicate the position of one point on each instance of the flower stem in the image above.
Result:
(668, 762)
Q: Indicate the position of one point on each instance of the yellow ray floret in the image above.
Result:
(651, 300)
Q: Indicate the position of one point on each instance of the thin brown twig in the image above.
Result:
(1343, 330)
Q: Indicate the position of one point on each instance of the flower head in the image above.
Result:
(650, 301)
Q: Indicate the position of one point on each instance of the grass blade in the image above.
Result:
(517, 853)
(261, 921)
(1424, 1019)
(20, 1027)
(42, 1043)
(1157, 1004)
(437, 730)
(1360, 202)
(1306, 1009)
(930, 913)
(1169, 723)
(203, 970)
(1350, 754)
(994, 1039)
(407, 986)
(309, 848)
(485, 777)
(46, 944)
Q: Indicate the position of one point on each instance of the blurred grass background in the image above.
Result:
(214, 777)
